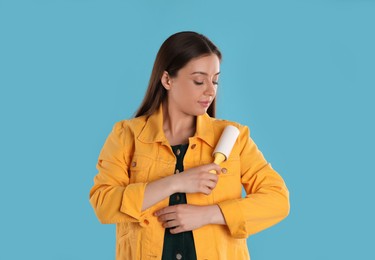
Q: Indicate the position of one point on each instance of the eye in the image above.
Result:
(198, 82)
(215, 83)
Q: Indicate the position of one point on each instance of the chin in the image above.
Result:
(197, 111)
(200, 112)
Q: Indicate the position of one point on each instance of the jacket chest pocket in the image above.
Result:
(229, 185)
(140, 168)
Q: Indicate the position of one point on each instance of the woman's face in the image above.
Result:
(194, 87)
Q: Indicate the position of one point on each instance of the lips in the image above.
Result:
(205, 103)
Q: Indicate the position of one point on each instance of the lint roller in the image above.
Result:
(225, 145)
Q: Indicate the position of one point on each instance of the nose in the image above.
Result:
(210, 89)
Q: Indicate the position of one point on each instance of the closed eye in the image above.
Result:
(198, 83)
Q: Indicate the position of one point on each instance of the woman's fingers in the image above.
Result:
(167, 217)
(176, 230)
(171, 224)
(166, 210)
(211, 184)
(208, 186)
(183, 218)
(210, 167)
(207, 189)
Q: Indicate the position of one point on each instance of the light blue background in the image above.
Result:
(299, 73)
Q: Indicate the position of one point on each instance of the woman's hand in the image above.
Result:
(197, 179)
(185, 217)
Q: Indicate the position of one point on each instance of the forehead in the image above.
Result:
(209, 64)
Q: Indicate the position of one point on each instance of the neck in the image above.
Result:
(177, 126)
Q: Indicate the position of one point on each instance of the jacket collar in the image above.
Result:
(153, 129)
(205, 129)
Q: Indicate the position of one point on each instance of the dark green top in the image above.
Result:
(179, 246)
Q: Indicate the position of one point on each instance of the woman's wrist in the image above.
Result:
(174, 184)
(215, 216)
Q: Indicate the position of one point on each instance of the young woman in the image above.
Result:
(154, 179)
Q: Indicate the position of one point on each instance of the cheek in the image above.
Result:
(189, 91)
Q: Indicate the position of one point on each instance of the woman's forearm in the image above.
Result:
(197, 179)
(185, 217)
(158, 190)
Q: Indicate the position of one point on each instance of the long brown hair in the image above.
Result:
(174, 54)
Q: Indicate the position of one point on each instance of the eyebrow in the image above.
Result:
(203, 73)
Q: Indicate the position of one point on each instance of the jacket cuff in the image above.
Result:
(234, 218)
(133, 199)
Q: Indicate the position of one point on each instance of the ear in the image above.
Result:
(166, 80)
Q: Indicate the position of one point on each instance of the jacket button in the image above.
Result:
(178, 152)
(224, 170)
(178, 256)
(146, 221)
(193, 146)
(134, 164)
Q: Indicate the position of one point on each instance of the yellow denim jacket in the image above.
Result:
(137, 152)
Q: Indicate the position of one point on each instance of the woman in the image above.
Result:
(154, 177)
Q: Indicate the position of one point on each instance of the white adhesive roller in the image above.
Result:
(225, 144)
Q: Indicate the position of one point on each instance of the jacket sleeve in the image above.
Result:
(267, 197)
(113, 198)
